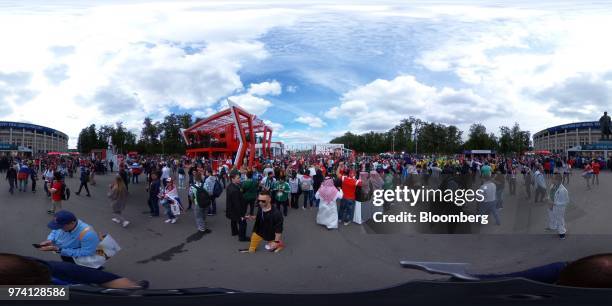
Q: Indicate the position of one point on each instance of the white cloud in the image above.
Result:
(381, 104)
(311, 121)
(276, 127)
(265, 88)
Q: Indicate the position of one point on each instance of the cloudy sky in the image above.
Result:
(314, 69)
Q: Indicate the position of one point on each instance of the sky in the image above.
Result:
(313, 70)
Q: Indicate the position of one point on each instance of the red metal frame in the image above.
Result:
(230, 126)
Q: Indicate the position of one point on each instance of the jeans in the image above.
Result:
(347, 208)
(540, 193)
(135, 178)
(166, 205)
(308, 197)
(11, 186)
(23, 185)
(212, 209)
(181, 181)
(487, 208)
(154, 206)
(200, 217)
(295, 200)
(284, 205)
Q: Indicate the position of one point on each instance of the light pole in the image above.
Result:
(416, 138)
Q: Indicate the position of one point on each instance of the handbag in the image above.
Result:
(175, 208)
(107, 248)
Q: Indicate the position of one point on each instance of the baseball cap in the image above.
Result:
(60, 219)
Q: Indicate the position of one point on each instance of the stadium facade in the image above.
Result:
(578, 137)
(26, 138)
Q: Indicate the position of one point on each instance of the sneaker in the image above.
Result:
(206, 231)
(562, 236)
(244, 251)
(168, 221)
(209, 214)
(125, 223)
(116, 220)
(89, 195)
(173, 221)
(50, 212)
(347, 223)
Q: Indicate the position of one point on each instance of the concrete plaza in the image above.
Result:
(316, 259)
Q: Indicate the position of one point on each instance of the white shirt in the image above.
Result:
(561, 196)
(489, 190)
(165, 173)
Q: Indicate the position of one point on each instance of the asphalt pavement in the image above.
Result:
(315, 259)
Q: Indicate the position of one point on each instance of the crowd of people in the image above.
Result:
(332, 185)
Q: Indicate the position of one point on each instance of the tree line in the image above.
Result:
(155, 137)
(437, 138)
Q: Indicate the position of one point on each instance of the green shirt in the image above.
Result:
(281, 191)
(249, 188)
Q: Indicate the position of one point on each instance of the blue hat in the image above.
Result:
(60, 219)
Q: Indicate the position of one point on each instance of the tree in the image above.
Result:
(479, 139)
(88, 139)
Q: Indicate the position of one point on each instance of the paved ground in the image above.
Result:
(316, 260)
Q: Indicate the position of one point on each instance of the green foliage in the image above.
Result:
(436, 138)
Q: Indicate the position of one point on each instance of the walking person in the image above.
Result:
(236, 207)
(48, 179)
(84, 178)
(11, 177)
(181, 176)
(587, 174)
(540, 184)
(528, 181)
(512, 180)
(34, 178)
(294, 184)
(210, 184)
(154, 191)
(281, 193)
(57, 193)
(201, 200)
(566, 168)
(306, 182)
(559, 197)
(249, 189)
(170, 197)
(596, 169)
(22, 177)
(488, 206)
(118, 196)
(328, 195)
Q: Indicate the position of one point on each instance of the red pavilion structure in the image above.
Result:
(230, 133)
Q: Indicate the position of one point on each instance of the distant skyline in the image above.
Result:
(313, 70)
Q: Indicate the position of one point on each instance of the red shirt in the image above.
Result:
(57, 195)
(349, 185)
(595, 166)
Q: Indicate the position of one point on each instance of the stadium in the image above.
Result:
(30, 139)
(579, 138)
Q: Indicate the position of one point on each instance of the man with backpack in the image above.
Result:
(202, 201)
(58, 193)
(84, 178)
(214, 189)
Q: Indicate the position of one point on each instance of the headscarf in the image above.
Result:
(365, 186)
(328, 191)
(377, 181)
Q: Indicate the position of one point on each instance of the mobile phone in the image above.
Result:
(36, 245)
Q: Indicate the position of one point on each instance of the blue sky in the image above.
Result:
(313, 70)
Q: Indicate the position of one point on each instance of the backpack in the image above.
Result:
(65, 192)
(217, 189)
(202, 197)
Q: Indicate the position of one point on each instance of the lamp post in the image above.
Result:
(416, 137)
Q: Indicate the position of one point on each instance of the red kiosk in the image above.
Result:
(228, 133)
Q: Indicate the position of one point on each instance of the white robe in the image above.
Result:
(328, 211)
(556, 215)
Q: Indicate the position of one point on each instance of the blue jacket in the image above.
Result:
(69, 242)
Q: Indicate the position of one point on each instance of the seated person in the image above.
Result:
(21, 270)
